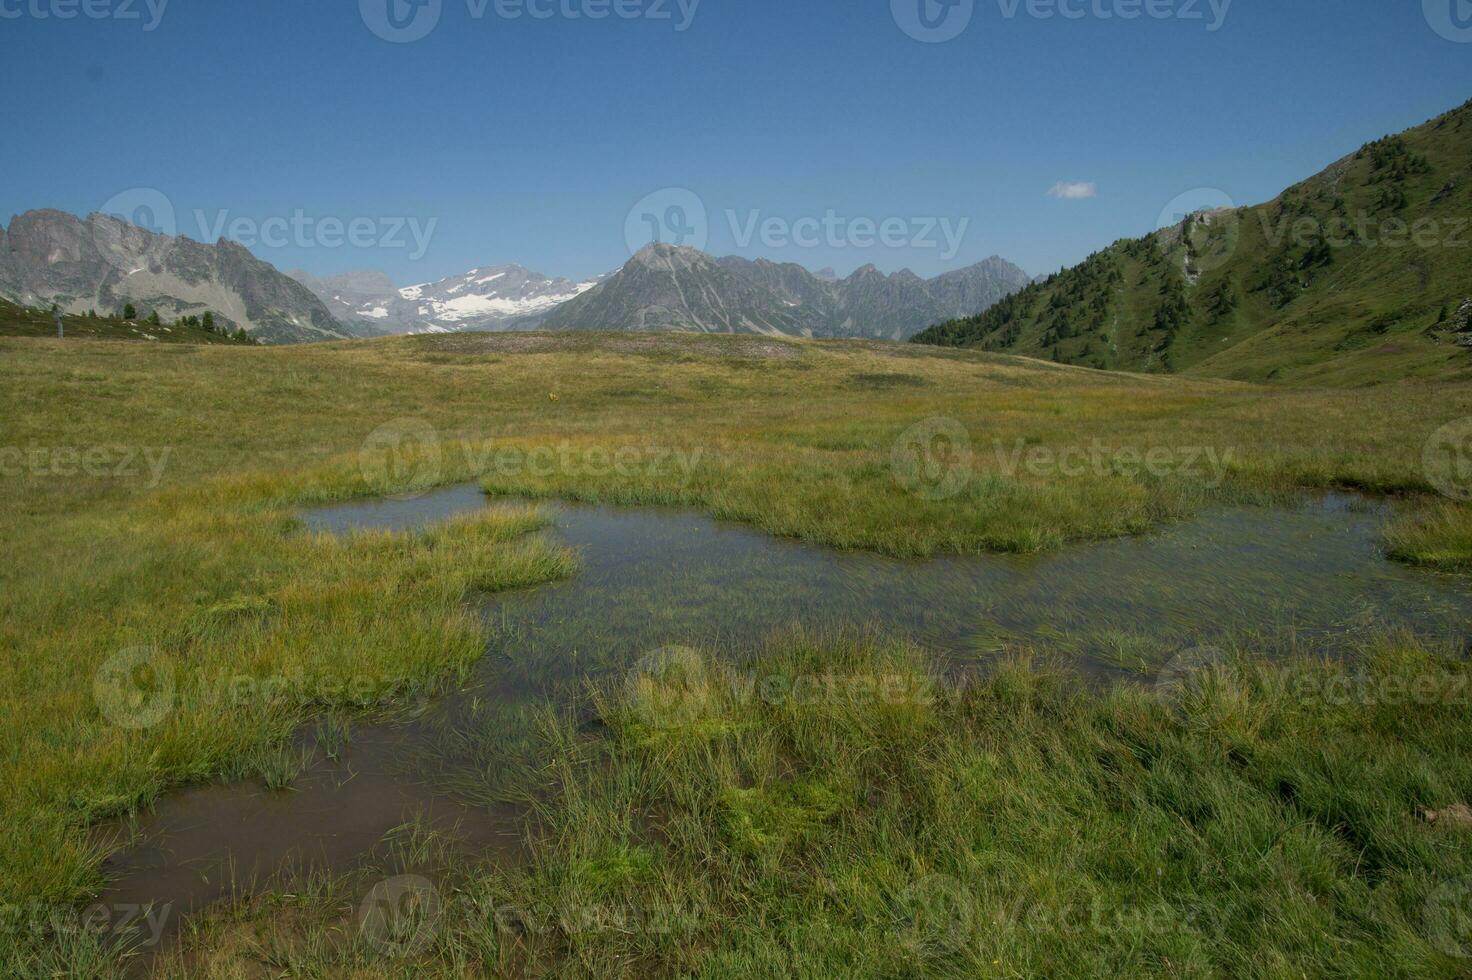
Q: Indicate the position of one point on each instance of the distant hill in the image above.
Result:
(1359, 274)
(102, 263)
(668, 287)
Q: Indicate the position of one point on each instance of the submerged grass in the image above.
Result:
(190, 637)
(1258, 819)
(165, 621)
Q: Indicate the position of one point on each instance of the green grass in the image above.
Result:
(21, 321)
(1437, 536)
(784, 438)
(200, 565)
(1015, 825)
(369, 622)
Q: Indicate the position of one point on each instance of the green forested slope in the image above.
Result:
(1359, 274)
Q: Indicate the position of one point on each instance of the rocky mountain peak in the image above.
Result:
(669, 287)
(103, 263)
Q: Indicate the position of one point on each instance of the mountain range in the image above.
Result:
(670, 287)
(103, 263)
(1361, 273)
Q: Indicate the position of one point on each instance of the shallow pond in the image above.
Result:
(1308, 576)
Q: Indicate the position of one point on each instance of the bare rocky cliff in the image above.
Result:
(103, 263)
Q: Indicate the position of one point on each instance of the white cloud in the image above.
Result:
(1071, 190)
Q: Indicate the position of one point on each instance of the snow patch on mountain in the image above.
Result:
(509, 297)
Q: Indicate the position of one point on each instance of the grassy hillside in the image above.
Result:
(826, 820)
(1352, 276)
(23, 321)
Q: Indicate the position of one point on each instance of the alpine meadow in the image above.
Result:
(772, 586)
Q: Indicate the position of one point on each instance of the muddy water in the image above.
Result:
(652, 577)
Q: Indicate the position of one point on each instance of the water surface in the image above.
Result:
(652, 577)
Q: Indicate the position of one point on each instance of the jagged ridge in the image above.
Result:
(668, 287)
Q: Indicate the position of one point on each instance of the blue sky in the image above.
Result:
(532, 140)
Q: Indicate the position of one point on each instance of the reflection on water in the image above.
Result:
(651, 577)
